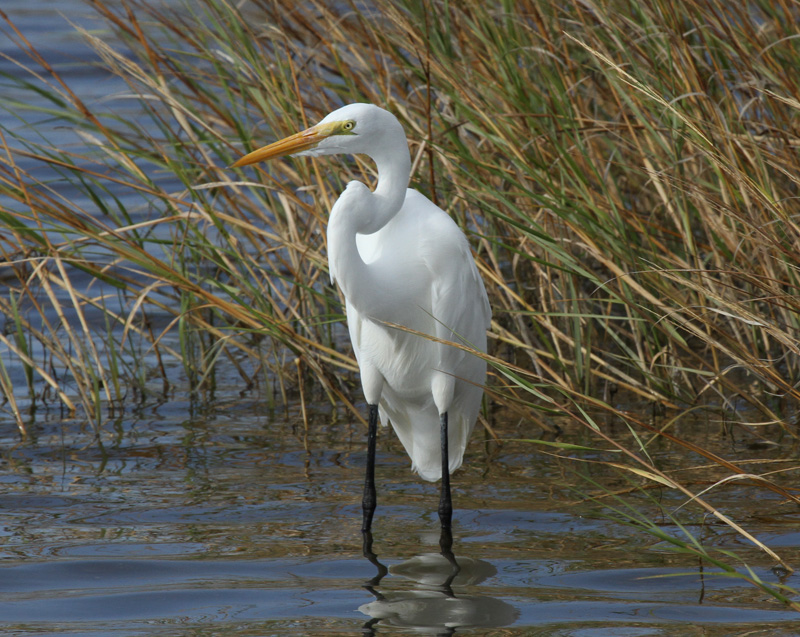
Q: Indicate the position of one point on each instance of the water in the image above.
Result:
(239, 523)
(222, 517)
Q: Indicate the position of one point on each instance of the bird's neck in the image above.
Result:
(394, 171)
(361, 211)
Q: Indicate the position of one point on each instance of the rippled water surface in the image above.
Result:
(224, 517)
(240, 523)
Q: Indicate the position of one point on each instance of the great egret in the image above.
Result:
(401, 260)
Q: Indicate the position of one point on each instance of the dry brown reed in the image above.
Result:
(627, 173)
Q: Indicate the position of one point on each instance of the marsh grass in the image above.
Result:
(626, 172)
(676, 537)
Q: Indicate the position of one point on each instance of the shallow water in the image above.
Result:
(223, 517)
(225, 524)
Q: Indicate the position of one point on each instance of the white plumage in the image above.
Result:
(401, 260)
(425, 274)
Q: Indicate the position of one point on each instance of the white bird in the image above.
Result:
(400, 260)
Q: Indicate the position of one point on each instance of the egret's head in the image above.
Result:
(353, 129)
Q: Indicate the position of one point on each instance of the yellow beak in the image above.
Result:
(304, 140)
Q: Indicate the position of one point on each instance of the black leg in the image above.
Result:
(445, 502)
(373, 558)
(446, 546)
(370, 500)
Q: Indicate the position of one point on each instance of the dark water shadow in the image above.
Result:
(434, 603)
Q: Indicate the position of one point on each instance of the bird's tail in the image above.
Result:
(422, 441)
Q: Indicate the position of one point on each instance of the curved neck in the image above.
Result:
(360, 211)
(394, 171)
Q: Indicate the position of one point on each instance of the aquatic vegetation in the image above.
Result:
(627, 173)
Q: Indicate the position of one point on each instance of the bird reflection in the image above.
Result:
(432, 606)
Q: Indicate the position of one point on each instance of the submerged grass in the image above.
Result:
(682, 541)
(627, 173)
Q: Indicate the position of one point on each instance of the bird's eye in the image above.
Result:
(348, 126)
